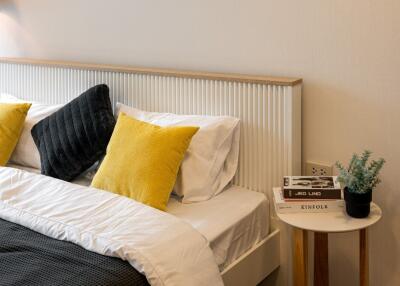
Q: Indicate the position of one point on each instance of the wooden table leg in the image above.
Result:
(300, 257)
(364, 260)
(321, 264)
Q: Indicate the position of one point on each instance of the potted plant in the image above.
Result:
(359, 179)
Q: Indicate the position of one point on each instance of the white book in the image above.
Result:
(311, 183)
(292, 206)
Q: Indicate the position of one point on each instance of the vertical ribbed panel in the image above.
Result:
(270, 114)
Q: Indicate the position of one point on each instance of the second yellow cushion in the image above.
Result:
(143, 160)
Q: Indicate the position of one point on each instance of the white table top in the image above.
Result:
(331, 221)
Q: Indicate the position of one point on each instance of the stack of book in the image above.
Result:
(309, 194)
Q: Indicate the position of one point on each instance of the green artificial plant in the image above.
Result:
(360, 177)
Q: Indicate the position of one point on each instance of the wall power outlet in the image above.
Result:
(317, 169)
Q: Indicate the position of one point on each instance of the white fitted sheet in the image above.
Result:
(233, 221)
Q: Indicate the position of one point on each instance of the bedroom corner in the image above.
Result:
(270, 86)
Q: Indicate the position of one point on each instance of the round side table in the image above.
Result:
(322, 224)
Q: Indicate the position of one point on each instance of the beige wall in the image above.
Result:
(348, 53)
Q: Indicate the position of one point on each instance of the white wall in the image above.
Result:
(347, 52)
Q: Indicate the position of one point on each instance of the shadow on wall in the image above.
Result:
(8, 7)
(384, 235)
(13, 38)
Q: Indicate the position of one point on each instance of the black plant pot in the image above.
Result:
(357, 205)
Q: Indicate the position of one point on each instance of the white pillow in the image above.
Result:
(26, 152)
(8, 98)
(212, 158)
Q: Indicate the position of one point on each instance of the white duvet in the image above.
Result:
(164, 248)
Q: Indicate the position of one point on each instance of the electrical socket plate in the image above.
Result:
(317, 169)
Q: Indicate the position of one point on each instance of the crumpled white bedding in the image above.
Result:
(164, 248)
(232, 222)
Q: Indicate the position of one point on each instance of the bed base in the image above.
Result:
(256, 264)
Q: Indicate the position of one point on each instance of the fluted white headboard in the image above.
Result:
(269, 107)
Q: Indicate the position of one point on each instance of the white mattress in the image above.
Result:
(233, 221)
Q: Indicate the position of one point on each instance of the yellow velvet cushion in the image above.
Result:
(12, 119)
(143, 160)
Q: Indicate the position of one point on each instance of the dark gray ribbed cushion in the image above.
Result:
(76, 136)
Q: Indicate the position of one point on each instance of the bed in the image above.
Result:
(238, 225)
(232, 222)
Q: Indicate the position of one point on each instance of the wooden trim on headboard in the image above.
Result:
(283, 81)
